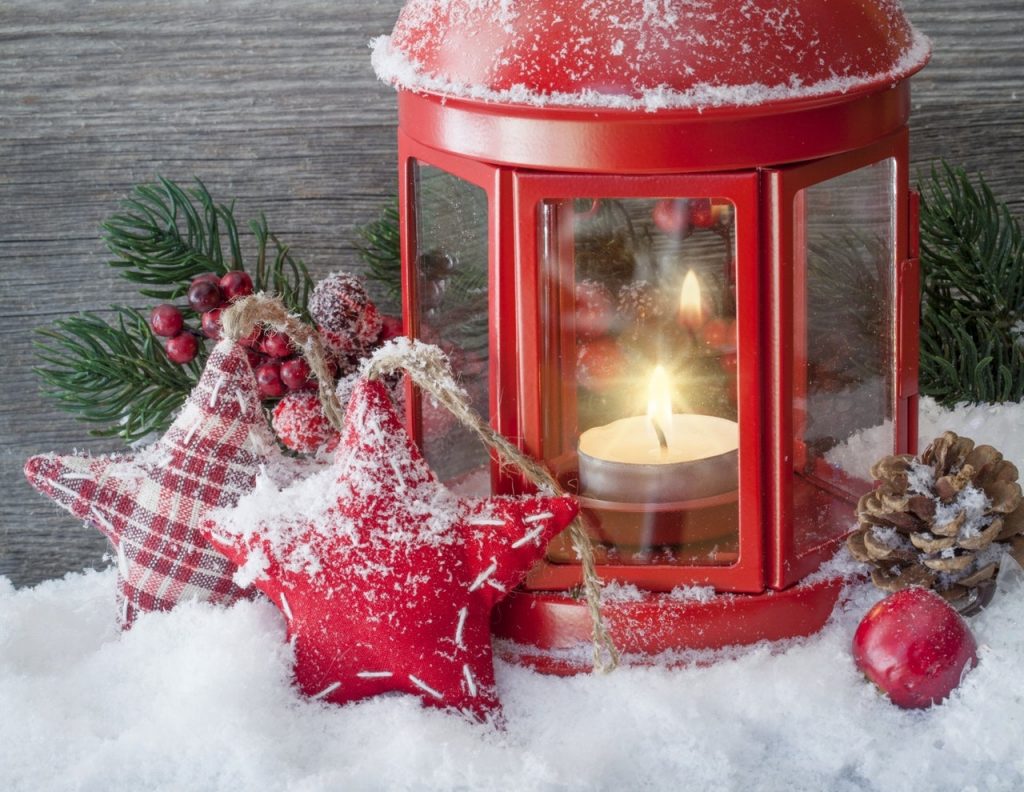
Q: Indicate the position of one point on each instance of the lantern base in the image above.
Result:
(550, 631)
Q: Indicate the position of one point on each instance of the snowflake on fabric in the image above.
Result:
(149, 504)
(386, 579)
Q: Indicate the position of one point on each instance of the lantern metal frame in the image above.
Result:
(760, 157)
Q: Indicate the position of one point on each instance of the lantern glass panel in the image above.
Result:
(639, 374)
(844, 280)
(451, 222)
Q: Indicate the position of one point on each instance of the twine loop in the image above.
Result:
(429, 369)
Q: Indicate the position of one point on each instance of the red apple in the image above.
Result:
(915, 647)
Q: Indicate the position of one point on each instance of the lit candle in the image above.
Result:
(691, 309)
(626, 461)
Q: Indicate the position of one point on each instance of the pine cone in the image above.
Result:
(942, 520)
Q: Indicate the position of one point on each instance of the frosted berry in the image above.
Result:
(348, 320)
(204, 295)
(276, 345)
(915, 647)
(268, 378)
(211, 323)
(166, 320)
(595, 309)
(295, 374)
(235, 284)
(182, 348)
(300, 423)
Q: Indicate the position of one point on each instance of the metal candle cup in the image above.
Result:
(623, 461)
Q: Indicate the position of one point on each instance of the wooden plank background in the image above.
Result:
(276, 105)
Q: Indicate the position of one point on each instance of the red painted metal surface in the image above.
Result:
(785, 565)
(551, 632)
(536, 391)
(522, 154)
(614, 48)
(609, 141)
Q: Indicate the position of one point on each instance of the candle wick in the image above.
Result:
(662, 440)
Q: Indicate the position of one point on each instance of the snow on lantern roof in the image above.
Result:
(648, 54)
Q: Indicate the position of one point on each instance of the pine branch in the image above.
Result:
(285, 276)
(380, 249)
(115, 374)
(972, 267)
(164, 236)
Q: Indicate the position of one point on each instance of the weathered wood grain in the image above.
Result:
(277, 106)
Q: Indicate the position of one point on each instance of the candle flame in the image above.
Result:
(691, 311)
(659, 403)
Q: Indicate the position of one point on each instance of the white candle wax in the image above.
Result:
(634, 439)
(624, 462)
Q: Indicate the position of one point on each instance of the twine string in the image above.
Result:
(243, 317)
(430, 371)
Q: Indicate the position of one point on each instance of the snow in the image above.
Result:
(201, 698)
(996, 425)
(651, 31)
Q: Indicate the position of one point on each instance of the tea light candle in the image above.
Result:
(626, 461)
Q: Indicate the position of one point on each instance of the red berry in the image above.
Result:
(212, 277)
(268, 378)
(236, 284)
(719, 333)
(254, 357)
(254, 339)
(204, 295)
(599, 364)
(672, 216)
(391, 327)
(915, 647)
(701, 215)
(276, 345)
(295, 374)
(182, 348)
(166, 320)
(211, 323)
(595, 309)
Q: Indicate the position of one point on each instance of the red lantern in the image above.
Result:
(674, 258)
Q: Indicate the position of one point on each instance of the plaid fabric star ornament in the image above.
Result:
(149, 504)
(386, 578)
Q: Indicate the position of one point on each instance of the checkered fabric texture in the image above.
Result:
(149, 504)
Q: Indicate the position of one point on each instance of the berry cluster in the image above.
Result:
(207, 294)
(348, 323)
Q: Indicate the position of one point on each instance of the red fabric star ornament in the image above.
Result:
(388, 580)
(149, 505)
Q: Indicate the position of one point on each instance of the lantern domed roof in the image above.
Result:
(649, 54)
